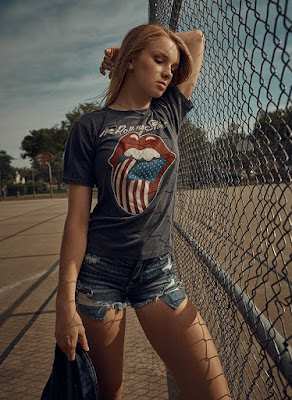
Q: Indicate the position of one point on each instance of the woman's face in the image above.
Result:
(152, 69)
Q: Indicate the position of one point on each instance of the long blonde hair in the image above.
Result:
(134, 42)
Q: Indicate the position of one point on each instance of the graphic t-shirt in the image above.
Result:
(132, 158)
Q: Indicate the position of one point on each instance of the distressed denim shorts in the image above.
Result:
(111, 282)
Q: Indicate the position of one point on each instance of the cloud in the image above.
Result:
(51, 41)
(50, 55)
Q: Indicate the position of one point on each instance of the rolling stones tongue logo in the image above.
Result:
(139, 164)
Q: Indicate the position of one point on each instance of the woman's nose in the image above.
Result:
(167, 74)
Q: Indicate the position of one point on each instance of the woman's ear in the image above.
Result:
(131, 65)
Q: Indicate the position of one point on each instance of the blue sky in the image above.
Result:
(244, 66)
(50, 55)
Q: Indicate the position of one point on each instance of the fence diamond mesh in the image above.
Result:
(233, 203)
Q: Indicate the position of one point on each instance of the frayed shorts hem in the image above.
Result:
(166, 298)
(106, 283)
(99, 309)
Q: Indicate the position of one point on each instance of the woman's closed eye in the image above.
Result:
(160, 62)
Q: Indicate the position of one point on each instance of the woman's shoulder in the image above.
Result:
(91, 116)
(92, 120)
(172, 97)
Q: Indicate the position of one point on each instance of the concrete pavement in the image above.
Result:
(30, 238)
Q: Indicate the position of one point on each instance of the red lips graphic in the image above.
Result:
(139, 164)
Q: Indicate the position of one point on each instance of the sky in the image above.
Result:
(50, 55)
(248, 70)
(51, 52)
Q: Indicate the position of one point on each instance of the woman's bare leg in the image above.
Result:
(182, 340)
(106, 345)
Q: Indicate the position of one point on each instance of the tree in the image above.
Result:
(76, 113)
(39, 141)
(226, 150)
(6, 170)
(195, 163)
(24, 172)
(53, 140)
(272, 138)
(50, 140)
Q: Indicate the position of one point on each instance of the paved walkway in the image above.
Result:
(30, 238)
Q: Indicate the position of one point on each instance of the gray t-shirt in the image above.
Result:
(132, 157)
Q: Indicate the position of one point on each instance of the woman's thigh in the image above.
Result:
(183, 342)
(106, 345)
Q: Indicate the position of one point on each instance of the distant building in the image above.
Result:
(17, 177)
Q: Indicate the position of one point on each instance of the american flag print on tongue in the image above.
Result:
(138, 165)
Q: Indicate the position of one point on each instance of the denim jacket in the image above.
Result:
(71, 380)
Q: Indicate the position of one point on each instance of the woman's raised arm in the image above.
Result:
(194, 40)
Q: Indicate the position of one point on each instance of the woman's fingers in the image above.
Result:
(105, 66)
(68, 346)
(108, 62)
(68, 329)
(83, 341)
(108, 52)
(71, 352)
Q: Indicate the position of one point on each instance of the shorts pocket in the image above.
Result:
(174, 298)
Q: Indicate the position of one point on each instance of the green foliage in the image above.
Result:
(52, 140)
(76, 113)
(39, 187)
(6, 169)
(272, 138)
(12, 189)
(194, 150)
(225, 150)
(42, 140)
(24, 172)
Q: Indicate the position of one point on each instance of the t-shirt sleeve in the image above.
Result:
(79, 156)
(175, 104)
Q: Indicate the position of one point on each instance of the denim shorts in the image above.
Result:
(111, 282)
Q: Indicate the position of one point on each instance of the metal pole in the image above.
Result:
(175, 14)
(50, 176)
(153, 12)
(33, 183)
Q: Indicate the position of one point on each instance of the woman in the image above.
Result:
(120, 253)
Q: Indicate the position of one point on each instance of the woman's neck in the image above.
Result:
(128, 99)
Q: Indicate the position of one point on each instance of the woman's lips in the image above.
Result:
(162, 85)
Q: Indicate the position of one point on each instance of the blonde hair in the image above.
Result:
(134, 42)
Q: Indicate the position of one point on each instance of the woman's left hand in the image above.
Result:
(109, 60)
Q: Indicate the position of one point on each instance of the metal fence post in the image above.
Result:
(152, 12)
(175, 14)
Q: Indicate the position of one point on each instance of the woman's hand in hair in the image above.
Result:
(109, 60)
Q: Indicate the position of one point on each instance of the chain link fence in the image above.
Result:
(35, 182)
(233, 204)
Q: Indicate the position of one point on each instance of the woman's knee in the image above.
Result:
(111, 390)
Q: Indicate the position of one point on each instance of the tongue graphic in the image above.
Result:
(139, 164)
